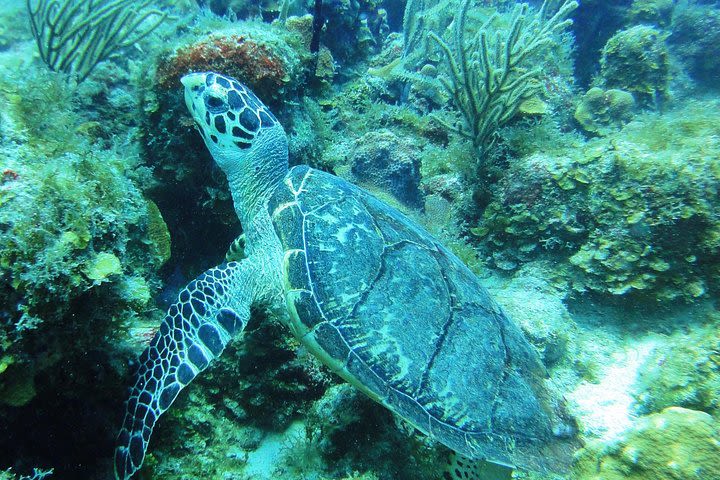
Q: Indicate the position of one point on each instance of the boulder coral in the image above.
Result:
(248, 60)
(388, 163)
(538, 309)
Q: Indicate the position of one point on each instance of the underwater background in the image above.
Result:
(582, 188)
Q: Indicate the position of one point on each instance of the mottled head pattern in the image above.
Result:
(228, 113)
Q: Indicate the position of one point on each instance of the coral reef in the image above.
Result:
(675, 443)
(80, 254)
(76, 268)
(637, 60)
(630, 212)
(589, 198)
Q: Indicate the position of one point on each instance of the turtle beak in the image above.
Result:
(193, 80)
(194, 85)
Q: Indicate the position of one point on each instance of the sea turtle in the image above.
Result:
(374, 296)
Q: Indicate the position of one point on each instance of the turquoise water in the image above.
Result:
(568, 154)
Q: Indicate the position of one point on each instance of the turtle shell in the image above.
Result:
(393, 312)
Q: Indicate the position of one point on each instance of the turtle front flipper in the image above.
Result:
(209, 312)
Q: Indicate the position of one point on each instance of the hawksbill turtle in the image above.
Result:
(374, 296)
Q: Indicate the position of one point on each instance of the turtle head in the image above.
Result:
(241, 133)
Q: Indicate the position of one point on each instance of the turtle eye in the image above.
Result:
(214, 104)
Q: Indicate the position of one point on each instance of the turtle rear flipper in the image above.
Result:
(463, 468)
(209, 312)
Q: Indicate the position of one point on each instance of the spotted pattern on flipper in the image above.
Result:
(463, 468)
(209, 312)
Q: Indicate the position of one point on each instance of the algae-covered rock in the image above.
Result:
(695, 40)
(687, 374)
(600, 111)
(671, 445)
(629, 213)
(389, 163)
(637, 60)
(538, 309)
(651, 12)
